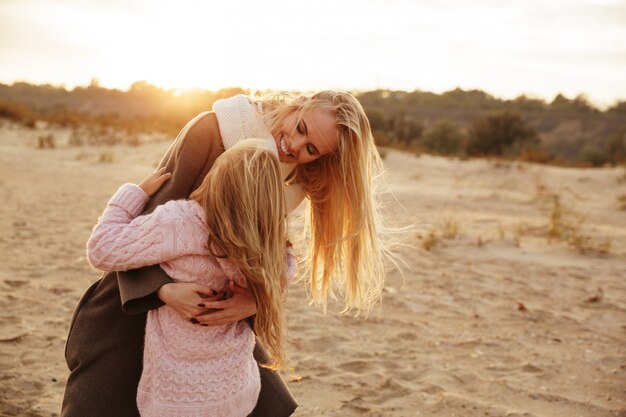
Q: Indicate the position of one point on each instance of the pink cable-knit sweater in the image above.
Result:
(188, 370)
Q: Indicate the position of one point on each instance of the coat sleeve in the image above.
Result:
(189, 158)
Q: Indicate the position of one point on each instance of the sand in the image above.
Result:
(489, 316)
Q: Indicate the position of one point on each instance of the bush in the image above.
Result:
(406, 128)
(16, 112)
(499, 133)
(443, 138)
(616, 147)
(535, 155)
(618, 108)
(594, 156)
(382, 138)
(377, 120)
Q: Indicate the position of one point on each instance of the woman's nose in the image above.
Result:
(295, 145)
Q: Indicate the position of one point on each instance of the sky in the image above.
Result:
(539, 48)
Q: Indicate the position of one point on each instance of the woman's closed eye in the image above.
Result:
(303, 130)
(302, 127)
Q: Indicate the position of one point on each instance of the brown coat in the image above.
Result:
(105, 346)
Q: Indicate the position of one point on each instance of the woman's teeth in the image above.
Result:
(283, 147)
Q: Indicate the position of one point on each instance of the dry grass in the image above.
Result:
(82, 155)
(447, 229)
(622, 178)
(557, 225)
(450, 228)
(106, 157)
(85, 135)
(430, 241)
(621, 201)
(46, 141)
(501, 231)
(565, 224)
(518, 232)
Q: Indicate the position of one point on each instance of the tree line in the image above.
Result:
(461, 123)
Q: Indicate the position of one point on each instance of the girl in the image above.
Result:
(231, 228)
(327, 155)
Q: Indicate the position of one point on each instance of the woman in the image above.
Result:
(326, 145)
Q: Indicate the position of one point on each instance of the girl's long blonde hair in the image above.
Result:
(343, 219)
(243, 199)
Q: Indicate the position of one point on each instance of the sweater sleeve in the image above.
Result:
(189, 158)
(294, 195)
(122, 241)
(292, 263)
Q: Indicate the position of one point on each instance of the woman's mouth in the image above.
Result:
(283, 146)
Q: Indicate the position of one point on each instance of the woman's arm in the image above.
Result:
(188, 160)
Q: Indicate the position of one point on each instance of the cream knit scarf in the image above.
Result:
(238, 119)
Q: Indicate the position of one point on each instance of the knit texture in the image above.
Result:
(239, 119)
(188, 370)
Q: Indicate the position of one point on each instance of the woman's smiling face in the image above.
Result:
(305, 140)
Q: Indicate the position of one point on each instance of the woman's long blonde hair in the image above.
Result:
(243, 199)
(346, 250)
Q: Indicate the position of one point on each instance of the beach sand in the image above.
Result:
(490, 316)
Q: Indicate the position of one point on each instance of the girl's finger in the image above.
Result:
(204, 292)
(163, 178)
(205, 300)
(236, 288)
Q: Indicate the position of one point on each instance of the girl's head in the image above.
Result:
(243, 194)
(243, 199)
(329, 135)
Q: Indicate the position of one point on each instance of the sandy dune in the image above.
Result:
(494, 319)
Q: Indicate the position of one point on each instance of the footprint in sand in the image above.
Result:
(13, 328)
(432, 390)
(316, 366)
(15, 283)
(502, 370)
(390, 389)
(60, 290)
(357, 367)
(324, 343)
(407, 336)
(29, 358)
(531, 368)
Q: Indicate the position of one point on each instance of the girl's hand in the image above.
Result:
(238, 306)
(151, 184)
(187, 298)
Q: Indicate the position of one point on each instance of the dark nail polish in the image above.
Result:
(201, 305)
(193, 320)
(205, 325)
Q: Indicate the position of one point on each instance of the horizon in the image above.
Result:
(178, 91)
(505, 49)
